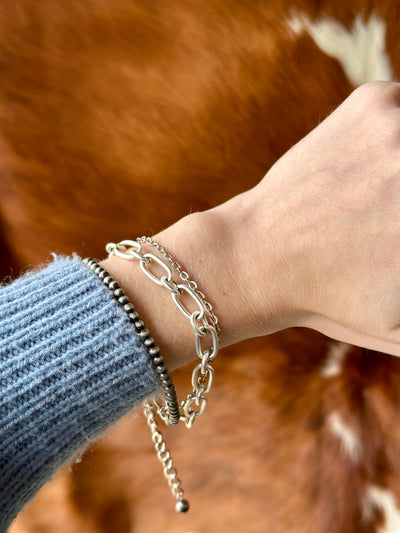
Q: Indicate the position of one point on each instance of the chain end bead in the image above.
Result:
(182, 506)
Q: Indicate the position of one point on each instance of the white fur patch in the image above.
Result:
(383, 500)
(334, 359)
(349, 441)
(360, 50)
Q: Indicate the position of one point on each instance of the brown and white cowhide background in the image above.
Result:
(118, 117)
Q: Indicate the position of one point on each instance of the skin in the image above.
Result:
(314, 244)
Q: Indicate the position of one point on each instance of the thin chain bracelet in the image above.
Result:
(203, 373)
(172, 408)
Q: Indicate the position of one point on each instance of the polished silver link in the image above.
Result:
(190, 415)
(202, 319)
(204, 362)
(150, 258)
(185, 276)
(199, 314)
(199, 381)
(121, 250)
(170, 285)
(198, 329)
(189, 407)
(215, 343)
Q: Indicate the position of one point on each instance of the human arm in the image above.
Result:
(314, 244)
(273, 257)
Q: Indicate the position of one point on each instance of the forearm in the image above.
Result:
(71, 363)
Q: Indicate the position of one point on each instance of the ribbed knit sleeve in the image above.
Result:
(70, 366)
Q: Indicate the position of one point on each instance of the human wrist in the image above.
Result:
(170, 328)
(231, 253)
(269, 265)
(212, 246)
(203, 244)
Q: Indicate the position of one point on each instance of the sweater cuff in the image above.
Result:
(70, 366)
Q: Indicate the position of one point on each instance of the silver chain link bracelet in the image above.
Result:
(205, 325)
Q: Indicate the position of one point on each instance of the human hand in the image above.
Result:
(330, 208)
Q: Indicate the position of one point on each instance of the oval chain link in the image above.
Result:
(199, 315)
(203, 373)
(150, 258)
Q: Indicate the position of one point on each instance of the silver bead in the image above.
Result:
(172, 421)
(182, 506)
(143, 333)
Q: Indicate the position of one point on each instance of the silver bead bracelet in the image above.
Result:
(172, 414)
(205, 325)
(171, 411)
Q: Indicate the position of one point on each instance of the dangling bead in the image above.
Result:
(182, 506)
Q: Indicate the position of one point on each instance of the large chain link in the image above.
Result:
(202, 319)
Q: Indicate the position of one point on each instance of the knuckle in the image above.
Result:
(373, 90)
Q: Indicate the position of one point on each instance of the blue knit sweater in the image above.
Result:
(70, 366)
